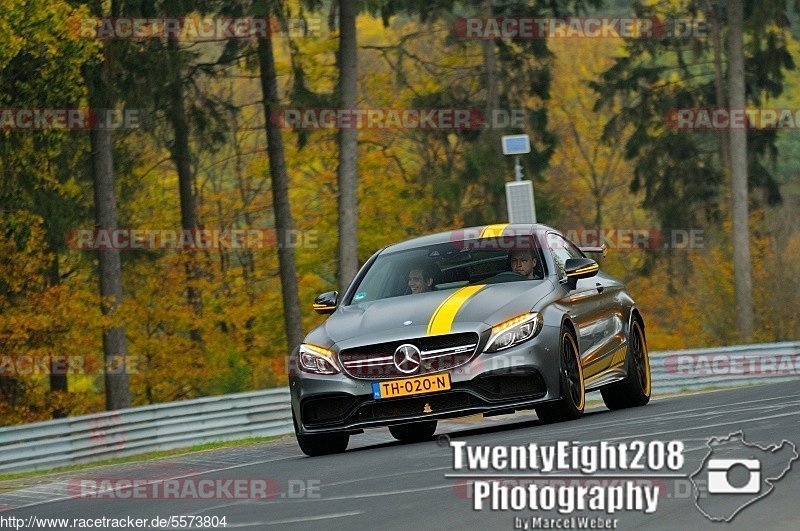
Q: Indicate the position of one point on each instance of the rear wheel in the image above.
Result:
(573, 392)
(634, 391)
(414, 432)
(321, 444)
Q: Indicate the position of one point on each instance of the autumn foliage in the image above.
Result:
(411, 183)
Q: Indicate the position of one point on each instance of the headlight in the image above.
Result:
(317, 360)
(514, 331)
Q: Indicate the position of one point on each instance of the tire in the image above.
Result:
(573, 390)
(414, 432)
(634, 391)
(321, 444)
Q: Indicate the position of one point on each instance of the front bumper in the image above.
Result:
(517, 378)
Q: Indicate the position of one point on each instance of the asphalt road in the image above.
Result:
(380, 484)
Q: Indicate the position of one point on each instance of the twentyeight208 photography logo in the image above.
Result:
(735, 474)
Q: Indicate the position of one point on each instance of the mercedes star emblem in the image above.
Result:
(407, 358)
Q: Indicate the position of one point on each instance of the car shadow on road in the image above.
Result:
(442, 437)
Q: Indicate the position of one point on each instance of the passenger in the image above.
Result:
(422, 276)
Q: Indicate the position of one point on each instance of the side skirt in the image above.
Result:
(615, 372)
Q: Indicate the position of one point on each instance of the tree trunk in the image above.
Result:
(58, 375)
(598, 209)
(181, 156)
(738, 151)
(712, 13)
(115, 348)
(247, 259)
(490, 66)
(105, 201)
(492, 135)
(284, 223)
(347, 172)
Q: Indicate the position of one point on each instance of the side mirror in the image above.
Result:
(326, 303)
(578, 268)
(601, 251)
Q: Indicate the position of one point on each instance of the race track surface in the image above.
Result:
(381, 484)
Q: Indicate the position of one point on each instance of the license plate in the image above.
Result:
(411, 386)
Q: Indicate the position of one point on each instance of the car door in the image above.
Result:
(592, 307)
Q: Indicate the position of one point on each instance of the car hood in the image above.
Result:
(409, 315)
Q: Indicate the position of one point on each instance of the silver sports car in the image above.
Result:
(485, 320)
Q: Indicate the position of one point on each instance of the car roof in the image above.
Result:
(470, 233)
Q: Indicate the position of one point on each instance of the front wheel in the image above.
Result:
(573, 391)
(414, 432)
(321, 444)
(634, 390)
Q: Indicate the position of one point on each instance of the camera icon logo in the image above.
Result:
(736, 473)
(719, 476)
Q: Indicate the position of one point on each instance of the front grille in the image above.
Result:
(438, 353)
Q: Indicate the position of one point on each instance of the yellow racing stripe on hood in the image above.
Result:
(442, 319)
(493, 231)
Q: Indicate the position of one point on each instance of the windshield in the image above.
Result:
(448, 266)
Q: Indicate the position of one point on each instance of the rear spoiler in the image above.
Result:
(603, 249)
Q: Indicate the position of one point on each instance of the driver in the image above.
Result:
(421, 277)
(523, 262)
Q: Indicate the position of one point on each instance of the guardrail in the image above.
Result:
(678, 370)
(137, 430)
(126, 432)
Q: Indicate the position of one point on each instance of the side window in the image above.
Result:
(562, 250)
(377, 283)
